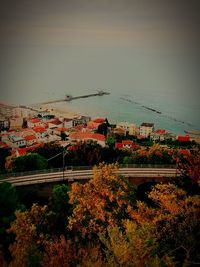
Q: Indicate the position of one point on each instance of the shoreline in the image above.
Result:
(57, 111)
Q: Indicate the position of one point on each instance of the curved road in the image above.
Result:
(74, 175)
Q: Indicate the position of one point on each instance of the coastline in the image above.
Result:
(57, 111)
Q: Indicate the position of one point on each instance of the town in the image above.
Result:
(25, 129)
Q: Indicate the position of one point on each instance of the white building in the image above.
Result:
(17, 142)
(146, 129)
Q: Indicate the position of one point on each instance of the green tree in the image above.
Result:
(48, 151)
(59, 204)
(4, 153)
(29, 162)
(9, 203)
(110, 141)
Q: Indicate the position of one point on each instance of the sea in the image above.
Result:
(135, 108)
(144, 86)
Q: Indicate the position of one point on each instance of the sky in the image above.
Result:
(48, 45)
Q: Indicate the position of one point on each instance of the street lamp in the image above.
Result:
(63, 159)
(64, 152)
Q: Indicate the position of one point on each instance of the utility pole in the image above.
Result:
(64, 154)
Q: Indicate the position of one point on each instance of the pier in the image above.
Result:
(70, 98)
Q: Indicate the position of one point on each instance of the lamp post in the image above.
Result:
(63, 159)
(63, 153)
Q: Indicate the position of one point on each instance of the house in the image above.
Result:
(67, 123)
(146, 129)
(16, 122)
(182, 138)
(30, 139)
(81, 120)
(34, 122)
(23, 112)
(158, 135)
(81, 136)
(17, 142)
(94, 124)
(119, 131)
(40, 132)
(129, 128)
(127, 144)
(22, 151)
(58, 131)
(4, 124)
(55, 123)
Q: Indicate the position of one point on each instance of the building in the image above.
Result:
(17, 142)
(40, 132)
(34, 122)
(146, 129)
(23, 112)
(80, 136)
(94, 124)
(67, 123)
(158, 135)
(4, 124)
(81, 120)
(185, 138)
(30, 139)
(16, 122)
(127, 144)
(55, 123)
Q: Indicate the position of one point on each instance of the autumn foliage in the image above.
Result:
(107, 225)
(101, 202)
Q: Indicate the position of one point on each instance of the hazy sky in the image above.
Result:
(48, 45)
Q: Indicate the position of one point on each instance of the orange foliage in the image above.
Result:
(27, 237)
(176, 218)
(65, 253)
(102, 201)
(191, 167)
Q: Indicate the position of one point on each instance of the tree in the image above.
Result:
(135, 246)
(101, 202)
(29, 162)
(32, 230)
(59, 204)
(176, 217)
(9, 203)
(48, 151)
(110, 141)
(4, 153)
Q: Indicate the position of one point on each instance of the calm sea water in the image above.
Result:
(122, 107)
(167, 83)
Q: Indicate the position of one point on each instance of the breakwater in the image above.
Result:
(156, 111)
(70, 98)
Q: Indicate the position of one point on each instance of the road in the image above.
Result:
(78, 175)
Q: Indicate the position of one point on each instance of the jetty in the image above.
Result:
(70, 97)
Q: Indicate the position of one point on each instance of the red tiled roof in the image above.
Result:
(81, 136)
(160, 131)
(119, 145)
(93, 125)
(23, 151)
(61, 129)
(35, 120)
(39, 129)
(184, 151)
(79, 127)
(29, 137)
(127, 142)
(183, 138)
(56, 121)
(99, 120)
